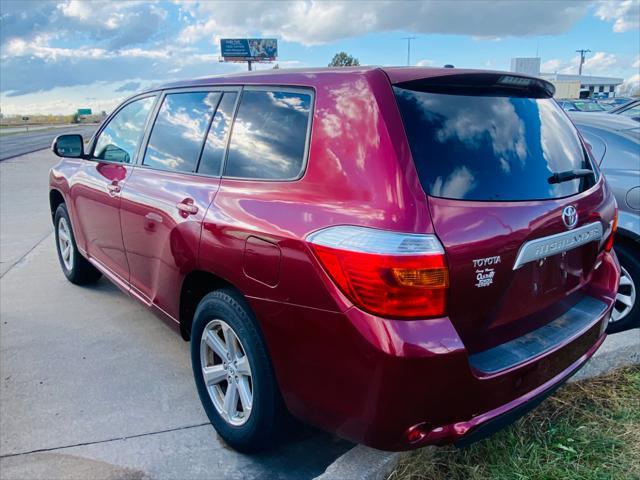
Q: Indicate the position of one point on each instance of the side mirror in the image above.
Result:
(70, 146)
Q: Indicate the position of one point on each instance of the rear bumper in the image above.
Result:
(398, 385)
(484, 425)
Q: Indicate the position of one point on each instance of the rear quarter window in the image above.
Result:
(495, 148)
(269, 135)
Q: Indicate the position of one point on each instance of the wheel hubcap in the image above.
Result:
(226, 372)
(625, 298)
(64, 243)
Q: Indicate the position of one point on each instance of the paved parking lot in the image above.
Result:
(95, 386)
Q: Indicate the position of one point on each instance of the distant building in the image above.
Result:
(590, 86)
(566, 88)
(526, 66)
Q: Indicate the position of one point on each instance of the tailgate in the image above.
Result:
(521, 241)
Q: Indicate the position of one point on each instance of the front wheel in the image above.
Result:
(75, 267)
(233, 373)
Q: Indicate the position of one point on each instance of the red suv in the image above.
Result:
(402, 256)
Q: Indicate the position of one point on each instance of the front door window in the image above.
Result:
(119, 140)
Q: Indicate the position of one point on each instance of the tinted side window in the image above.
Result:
(269, 135)
(214, 148)
(119, 140)
(178, 134)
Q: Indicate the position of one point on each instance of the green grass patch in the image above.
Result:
(588, 430)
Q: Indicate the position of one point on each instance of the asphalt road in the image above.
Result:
(15, 144)
(92, 384)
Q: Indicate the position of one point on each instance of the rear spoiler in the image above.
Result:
(483, 84)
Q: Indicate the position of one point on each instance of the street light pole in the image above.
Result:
(582, 53)
(408, 39)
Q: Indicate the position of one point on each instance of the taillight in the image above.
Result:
(608, 245)
(386, 273)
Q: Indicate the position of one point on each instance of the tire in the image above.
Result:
(267, 418)
(628, 256)
(75, 267)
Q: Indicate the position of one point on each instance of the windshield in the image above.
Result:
(588, 107)
(491, 147)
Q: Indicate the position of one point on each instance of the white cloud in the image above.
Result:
(636, 63)
(316, 22)
(625, 15)
(551, 66)
(64, 101)
(42, 41)
(597, 63)
(425, 63)
(31, 67)
(193, 33)
(600, 62)
(115, 24)
(77, 9)
(630, 86)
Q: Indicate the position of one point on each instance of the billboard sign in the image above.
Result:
(253, 49)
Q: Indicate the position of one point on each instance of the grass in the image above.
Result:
(588, 430)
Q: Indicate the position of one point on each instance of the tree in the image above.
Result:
(343, 59)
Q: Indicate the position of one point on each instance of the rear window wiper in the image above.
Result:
(559, 177)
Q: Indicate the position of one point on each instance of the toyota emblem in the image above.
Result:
(570, 216)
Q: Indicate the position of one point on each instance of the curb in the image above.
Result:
(364, 463)
(617, 350)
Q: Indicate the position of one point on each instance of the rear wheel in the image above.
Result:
(233, 373)
(75, 267)
(626, 312)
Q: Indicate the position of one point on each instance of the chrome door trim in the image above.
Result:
(560, 242)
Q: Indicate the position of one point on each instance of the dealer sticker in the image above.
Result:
(484, 270)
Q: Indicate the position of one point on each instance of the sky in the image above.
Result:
(60, 55)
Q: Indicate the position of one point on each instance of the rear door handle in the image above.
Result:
(187, 208)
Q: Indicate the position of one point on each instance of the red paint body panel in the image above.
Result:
(367, 378)
(262, 261)
(371, 379)
(97, 213)
(161, 241)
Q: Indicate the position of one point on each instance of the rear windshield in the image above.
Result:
(491, 147)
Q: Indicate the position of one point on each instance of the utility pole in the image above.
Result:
(408, 39)
(583, 54)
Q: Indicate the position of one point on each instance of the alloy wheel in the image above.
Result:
(65, 244)
(625, 298)
(226, 372)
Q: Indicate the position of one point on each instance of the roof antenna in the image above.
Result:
(448, 65)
